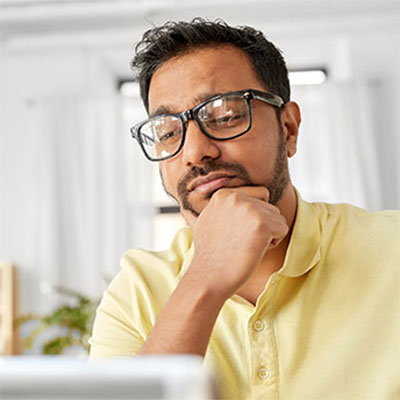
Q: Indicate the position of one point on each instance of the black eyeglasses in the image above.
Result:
(221, 117)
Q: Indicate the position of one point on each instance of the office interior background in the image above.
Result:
(75, 191)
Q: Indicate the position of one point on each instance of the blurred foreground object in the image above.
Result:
(146, 377)
(9, 337)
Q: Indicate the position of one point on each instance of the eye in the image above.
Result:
(231, 117)
(227, 119)
(228, 111)
(166, 129)
(169, 136)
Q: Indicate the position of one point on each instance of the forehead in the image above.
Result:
(184, 81)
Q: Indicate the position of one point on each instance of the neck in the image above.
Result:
(288, 208)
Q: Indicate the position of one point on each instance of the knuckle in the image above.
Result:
(234, 197)
(260, 224)
(273, 209)
(219, 195)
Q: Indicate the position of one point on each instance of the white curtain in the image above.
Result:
(337, 158)
(89, 189)
(94, 194)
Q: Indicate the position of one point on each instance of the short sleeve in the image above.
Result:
(113, 333)
(132, 302)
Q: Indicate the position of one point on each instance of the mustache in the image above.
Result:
(211, 166)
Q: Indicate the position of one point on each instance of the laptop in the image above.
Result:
(180, 377)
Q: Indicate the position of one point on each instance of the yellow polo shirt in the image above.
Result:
(326, 326)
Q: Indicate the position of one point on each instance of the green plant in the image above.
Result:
(78, 320)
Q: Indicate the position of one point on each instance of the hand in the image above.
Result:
(232, 234)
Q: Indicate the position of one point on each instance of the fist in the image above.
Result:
(232, 234)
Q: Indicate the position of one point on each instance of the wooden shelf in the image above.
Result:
(9, 337)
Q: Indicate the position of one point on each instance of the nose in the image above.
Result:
(198, 147)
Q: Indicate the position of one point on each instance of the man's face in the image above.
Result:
(204, 165)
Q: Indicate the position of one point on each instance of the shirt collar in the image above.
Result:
(304, 250)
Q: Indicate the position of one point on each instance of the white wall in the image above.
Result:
(38, 64)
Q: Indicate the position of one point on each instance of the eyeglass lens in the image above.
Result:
(221, 118)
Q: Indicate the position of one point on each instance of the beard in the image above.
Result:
(276, 185)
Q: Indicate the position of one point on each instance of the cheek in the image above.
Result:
(169, 178)
(260, 165)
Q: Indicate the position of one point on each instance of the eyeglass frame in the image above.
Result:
(191, 115)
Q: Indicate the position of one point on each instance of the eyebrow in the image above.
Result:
(165, 109)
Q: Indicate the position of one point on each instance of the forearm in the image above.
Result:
(185, 324)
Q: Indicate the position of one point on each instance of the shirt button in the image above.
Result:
(263, 373)
(258, 326)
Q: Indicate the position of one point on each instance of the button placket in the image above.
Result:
(258, 326)
(261, 334)
(263, 373)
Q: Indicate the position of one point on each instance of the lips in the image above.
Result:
(210, 182)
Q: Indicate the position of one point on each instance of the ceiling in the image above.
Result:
(22, 18)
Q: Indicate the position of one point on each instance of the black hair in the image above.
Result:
(172, 39)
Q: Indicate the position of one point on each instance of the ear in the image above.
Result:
(291, 119)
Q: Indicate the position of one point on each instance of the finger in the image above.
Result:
(258, 192)
(279, 231)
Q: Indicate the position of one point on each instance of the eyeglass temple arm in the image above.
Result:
(268, 98)
(144, 138)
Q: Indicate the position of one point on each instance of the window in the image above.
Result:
(167, 219)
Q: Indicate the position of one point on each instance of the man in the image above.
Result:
(283, 298)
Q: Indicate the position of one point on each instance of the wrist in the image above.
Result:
(204, 285)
